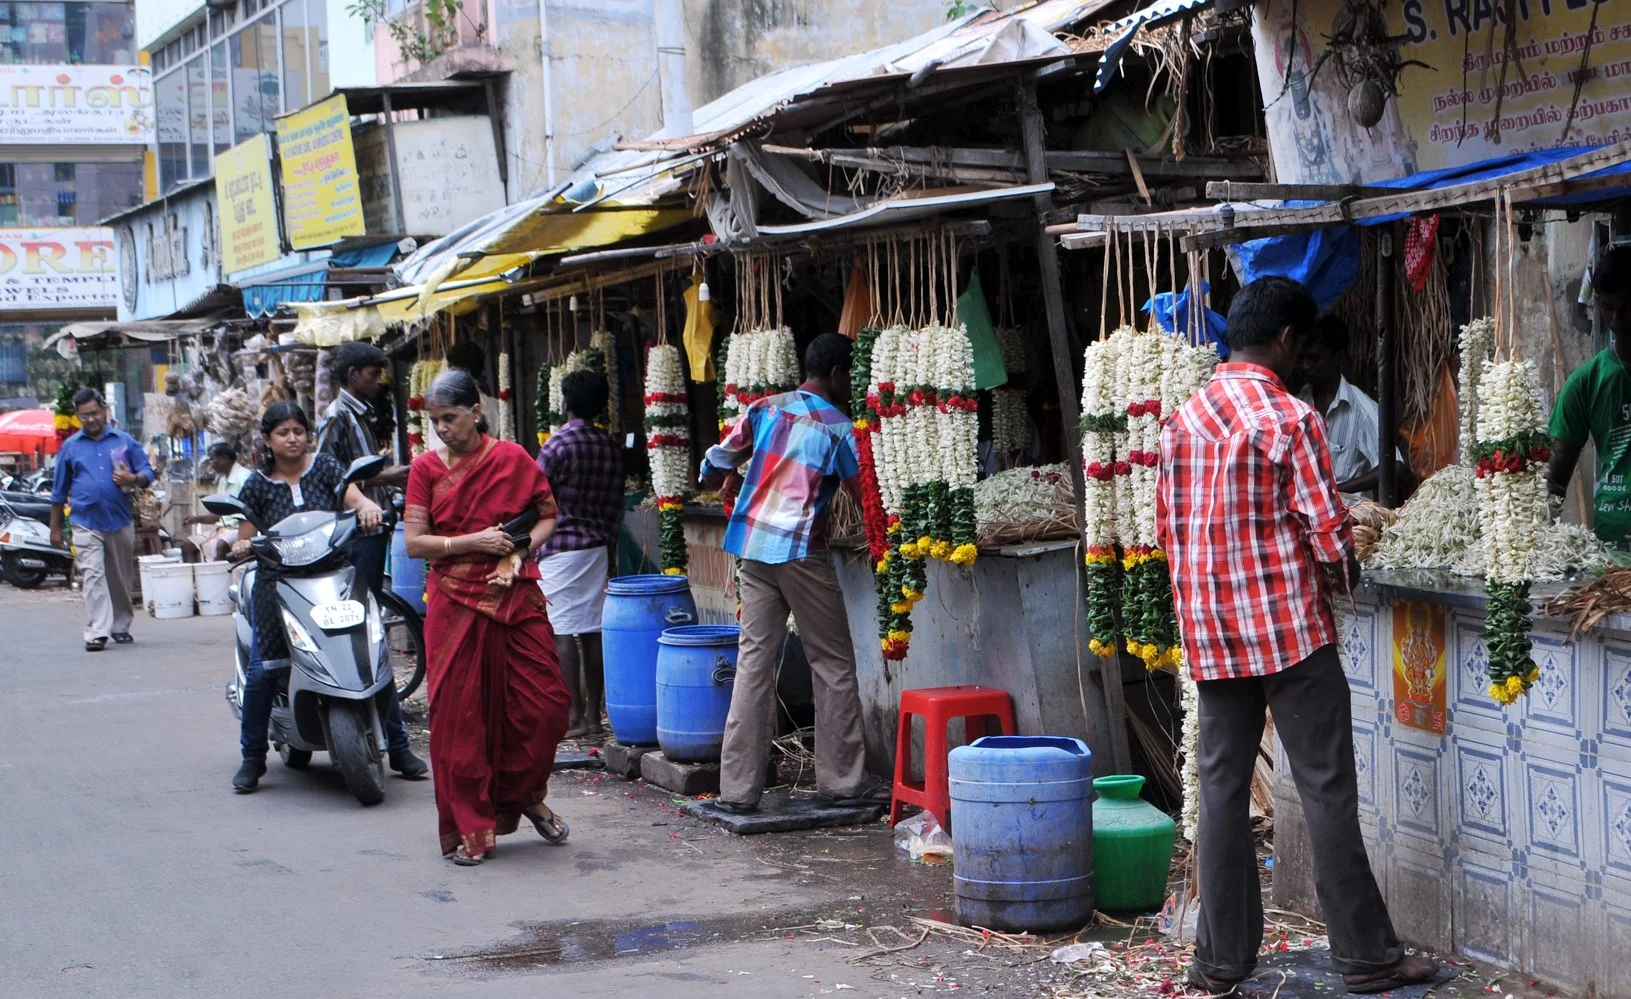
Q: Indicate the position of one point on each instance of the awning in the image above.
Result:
(146, 330)
(305, 283)
(28, 430)
(906, 209)
(1121, 33)
(364, 256)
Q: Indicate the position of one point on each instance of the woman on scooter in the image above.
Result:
(290, 480)
(495, 683)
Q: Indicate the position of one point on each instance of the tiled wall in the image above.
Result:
(1509, 838)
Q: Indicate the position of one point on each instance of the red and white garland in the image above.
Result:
(419, 378)
(668, 448)
(1104, 421)
(758, 364)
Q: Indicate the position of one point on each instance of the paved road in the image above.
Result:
(132, 871)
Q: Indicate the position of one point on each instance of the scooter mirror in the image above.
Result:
(365, 468)
(224, 505)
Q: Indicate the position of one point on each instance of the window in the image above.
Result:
(198, 114)
(44, 33)
(9, 207)
(296, 54)
(170, 101)
(256, 90)
(64, 194)
(220, 98)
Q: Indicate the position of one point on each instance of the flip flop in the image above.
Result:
(463, 859)
(1413, 970)
(544, 824)
(96, 644)
(871, 796)
(123, 637)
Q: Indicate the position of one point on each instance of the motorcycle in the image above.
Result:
(331, 690)
(26, 553)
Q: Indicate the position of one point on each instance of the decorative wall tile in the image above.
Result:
(1484, 924)
(1481, 783)
(1469, 679)
(1616, 704)
(1553, 806)
(1565, 932)
(1616, 976)
(1418, 894)
(1415, 789)
(1553, 700)
(1365, 763)
(1616, 819)
(1368, 658)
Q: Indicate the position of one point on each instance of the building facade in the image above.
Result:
(76, 115)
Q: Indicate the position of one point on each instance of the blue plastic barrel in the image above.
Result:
(407, 574)
(1022, 811)
(696, 672)
(638, 610)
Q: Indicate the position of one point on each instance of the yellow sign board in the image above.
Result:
(243, 188)
(1480, 99)
(321, 202)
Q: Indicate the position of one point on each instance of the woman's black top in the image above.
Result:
(270, 500)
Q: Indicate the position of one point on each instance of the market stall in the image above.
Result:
(1490, 668)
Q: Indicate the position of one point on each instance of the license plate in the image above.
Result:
(339, 614)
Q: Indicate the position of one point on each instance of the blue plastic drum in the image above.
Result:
(1023, 810)
(407, 574)
(638, 610)
(696, 672)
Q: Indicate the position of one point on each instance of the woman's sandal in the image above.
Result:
(462, 857)
(550, 826)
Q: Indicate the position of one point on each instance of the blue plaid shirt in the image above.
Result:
(800, 447)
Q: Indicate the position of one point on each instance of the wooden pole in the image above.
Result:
(1387, 395)
(1064, 371)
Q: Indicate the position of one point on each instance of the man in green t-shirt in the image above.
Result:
(1595, 404)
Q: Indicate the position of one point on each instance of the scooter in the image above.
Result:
(26, 553)
(337, 680)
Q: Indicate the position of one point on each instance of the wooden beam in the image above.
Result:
(1033, 129)
(1234, 190)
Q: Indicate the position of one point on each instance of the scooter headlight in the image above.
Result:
(304, 549)
(297, 634)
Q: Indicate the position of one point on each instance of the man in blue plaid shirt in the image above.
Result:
(585, 472)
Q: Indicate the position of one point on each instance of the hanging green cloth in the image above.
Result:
(989, 371)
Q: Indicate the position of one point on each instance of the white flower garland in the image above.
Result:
(1477, 343)
(758, 363)
(604, 342)
(1189, 698)
(665, 384)
(506, 422)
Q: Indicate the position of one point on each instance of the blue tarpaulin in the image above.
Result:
(366, 256)
(1172, 311)
(1327, 261)
(305, 283)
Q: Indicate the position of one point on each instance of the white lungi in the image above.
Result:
(575, 583)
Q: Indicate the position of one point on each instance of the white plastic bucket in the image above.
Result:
(213, 580)
(144, 574)
(172, 594)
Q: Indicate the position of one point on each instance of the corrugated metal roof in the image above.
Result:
(900, 210)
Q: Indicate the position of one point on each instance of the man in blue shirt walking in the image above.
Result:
(94, 468)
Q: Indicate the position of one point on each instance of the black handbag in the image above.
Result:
(520, 529)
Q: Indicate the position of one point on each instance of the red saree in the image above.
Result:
(498, 704)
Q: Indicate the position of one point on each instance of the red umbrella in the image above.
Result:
(28, 431)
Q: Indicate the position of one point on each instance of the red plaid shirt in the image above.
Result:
(1245, 507)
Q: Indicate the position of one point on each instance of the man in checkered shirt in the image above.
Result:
(1258, 540)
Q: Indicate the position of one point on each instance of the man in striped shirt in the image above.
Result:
(1258, 541)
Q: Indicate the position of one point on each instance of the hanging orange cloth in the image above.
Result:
(1433, 439)
(858, 305)
(699, 329)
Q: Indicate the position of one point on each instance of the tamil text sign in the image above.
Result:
(76, 104)
(1479, 100)
(320, 199)
(57, 269)
(243, 189)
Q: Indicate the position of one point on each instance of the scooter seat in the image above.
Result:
(28, 505)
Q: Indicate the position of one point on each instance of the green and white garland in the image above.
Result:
(1477, 344)
(1104, 420)
(1010, 434)
(668, 447)
(1511, 453)
(587, 359)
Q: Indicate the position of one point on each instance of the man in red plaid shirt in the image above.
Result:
(1258, 540)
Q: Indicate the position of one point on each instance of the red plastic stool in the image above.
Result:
(937, 706)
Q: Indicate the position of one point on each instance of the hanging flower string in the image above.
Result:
(610, 418)
(1510, 455)
(506, 418)
(1009, 432)
(419, 378)
(540, 405)
(1101, 423)
(668, 447)
(893, 611)
(758, 364)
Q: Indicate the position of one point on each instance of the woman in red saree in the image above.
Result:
(496, 694)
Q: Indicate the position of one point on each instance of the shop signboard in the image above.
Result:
(1477, 102)
(428, 152)
(320, 199)
(83, 105)
(57, 269)
(243, 189)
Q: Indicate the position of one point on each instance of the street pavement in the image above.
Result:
(133, 871)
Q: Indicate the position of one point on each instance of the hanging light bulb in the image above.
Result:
(572, 303)
(703, 294)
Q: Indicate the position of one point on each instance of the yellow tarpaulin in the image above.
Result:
(456, 283)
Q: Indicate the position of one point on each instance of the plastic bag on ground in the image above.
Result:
(923, 839)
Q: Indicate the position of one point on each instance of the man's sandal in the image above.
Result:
(123, 637)
(95, 644)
